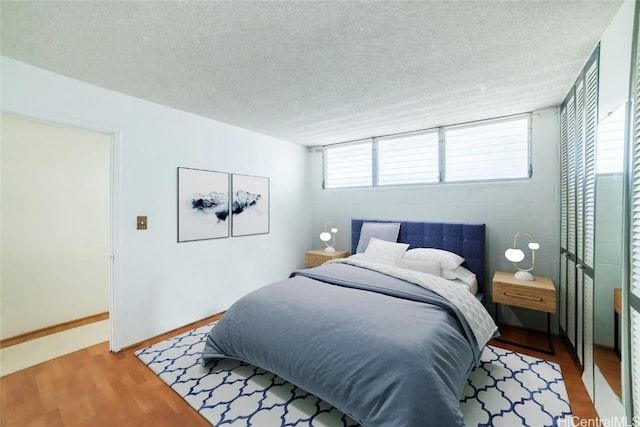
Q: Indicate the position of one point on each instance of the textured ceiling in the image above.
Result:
(317, 72)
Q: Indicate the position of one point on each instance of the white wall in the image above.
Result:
(55, 224)
(160, 284)
(505, 207)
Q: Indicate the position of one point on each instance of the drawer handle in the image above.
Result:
(507, 294)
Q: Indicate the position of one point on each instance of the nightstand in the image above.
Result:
(538, 294)
(318, 257)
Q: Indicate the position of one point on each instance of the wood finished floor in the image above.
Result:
(94, 387)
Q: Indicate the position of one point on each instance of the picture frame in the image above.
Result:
(203, 204)
(250, 205)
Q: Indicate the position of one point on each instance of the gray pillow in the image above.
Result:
(380, 230)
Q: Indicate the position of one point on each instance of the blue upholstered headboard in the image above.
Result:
(466, 240)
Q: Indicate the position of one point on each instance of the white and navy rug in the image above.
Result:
(508, 389)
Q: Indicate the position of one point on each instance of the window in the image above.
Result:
(409, 159)
(493, 151)
(480, 151)
(348, 165)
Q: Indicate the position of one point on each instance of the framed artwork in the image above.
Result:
(250, 205)
(203, 204)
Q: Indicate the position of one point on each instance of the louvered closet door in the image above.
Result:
(632, 232)
(568, 223)
(588, 374)
(580, 172)
(564, 183)
(578, 121)
(586, 256)
(580, 176)
(589, 182)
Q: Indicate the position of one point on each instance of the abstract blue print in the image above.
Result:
(203, 204)
(212, 203)
(250, 205)
(243, 200)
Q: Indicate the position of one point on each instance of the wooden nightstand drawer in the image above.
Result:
(318, 257)
(538, 294)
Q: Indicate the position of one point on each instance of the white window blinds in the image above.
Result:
(492, 151)
(496, 149)
(348, 165)
(411, 159)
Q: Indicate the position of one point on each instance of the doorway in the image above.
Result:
(55, 225)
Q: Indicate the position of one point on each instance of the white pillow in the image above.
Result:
(459, 273)
(382, 230)
(447, 259)
(429, 267)
(384, 252)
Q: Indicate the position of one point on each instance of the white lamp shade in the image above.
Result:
(534, 246)
(325, 236)
(514, 254)
(334, 230)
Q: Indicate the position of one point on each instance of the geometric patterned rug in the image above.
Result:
(507, 389)
(512, 389)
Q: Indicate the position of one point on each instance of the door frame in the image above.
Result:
(114, 279)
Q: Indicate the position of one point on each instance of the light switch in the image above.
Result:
(142, 223)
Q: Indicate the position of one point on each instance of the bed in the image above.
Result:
(387, 345)
(466, 240)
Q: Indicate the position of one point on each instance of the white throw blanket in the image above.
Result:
(479, 319)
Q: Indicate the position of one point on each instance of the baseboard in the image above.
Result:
(28, 336)
(172, 332)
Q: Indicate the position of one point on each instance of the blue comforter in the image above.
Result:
(382, 350)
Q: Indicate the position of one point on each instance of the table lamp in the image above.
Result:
(329, 235)
(516, 255)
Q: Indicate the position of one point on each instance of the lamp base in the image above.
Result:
(329, 249)
(523, 275)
